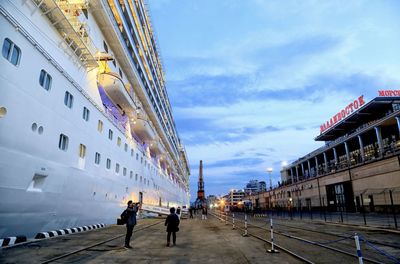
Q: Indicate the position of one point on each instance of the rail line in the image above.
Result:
(366, 259)
(95, 245)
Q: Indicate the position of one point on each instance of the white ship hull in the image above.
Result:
(43, 187)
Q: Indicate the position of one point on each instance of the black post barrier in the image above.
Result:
(341, 214)
(393, 208)
(363, 209)
(324, 208)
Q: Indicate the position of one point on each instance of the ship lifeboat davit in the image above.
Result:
(116, 91)
(143, 130)
(156, 147)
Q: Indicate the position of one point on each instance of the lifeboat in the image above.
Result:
(117, 92)
(143, 130)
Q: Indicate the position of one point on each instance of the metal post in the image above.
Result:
(360, 258)
(233, 221)
(272, 250)
(393, 209)
(363, 209)
(226, 218)
(245, 225)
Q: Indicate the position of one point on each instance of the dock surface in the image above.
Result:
(198, 241)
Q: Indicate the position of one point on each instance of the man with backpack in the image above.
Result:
(129, 216)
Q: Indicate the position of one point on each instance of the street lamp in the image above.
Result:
(269, 170)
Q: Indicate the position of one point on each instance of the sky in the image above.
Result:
(250, 82)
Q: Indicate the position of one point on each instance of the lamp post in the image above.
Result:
(269, 170)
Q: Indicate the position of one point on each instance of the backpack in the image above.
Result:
(124, 216)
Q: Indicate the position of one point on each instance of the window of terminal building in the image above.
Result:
(97, 158)
(11, 52)
(100, 126)
(63, 142)
(105, 46)
(82, 151)
(68, 99)
(108, 164)
(85, 114)
(119, 141)
(45, 80)
(110, 134)
(116, 167)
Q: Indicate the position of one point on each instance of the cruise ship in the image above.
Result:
(85, 119)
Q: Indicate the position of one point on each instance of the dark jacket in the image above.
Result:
(131, 220)
(172, 223)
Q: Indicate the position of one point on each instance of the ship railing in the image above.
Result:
(74, 32)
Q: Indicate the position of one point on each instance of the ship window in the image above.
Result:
(126, 147)
(141, 159)
(110, 134)
(63, 142)
(137, 156)
(124, 171)
(131, 174)
(116, 167)
(114, 62)
(85, 114)
(141, 179)
(132, 152)
(136, 177)
(68, 99)
(105, 46)
(85, 12)
(120, 73)
(145, 163)
(119, 141)
(11, 52)
(97, 158)
(108, 164)
(100, 126)
(82, 151)
(45, 80)
(3, 111)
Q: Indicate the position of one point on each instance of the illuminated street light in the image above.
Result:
(269, 170)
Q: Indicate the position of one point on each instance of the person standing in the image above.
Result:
(172, 224)
(204, 213)
(131, 211)
(191, 211)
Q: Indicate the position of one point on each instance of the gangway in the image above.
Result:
(163, 210)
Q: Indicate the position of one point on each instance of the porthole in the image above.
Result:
(34, 127)
(3, 112)
(40, 130)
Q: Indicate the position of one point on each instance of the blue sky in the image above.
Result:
(250, 82)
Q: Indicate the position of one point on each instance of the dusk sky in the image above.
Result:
(250, 82)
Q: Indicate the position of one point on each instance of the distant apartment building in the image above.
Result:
(234, 197)
(255, 186)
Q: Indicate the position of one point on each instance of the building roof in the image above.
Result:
(373, 110)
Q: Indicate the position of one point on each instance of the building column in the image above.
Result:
(346, 147)
(335, 155)
(302, 169)
(361, 147)
(379, 138)
(309, 168)
(292, 174)
(316, 165)
(325, 162)
(398, 123)
(297, 173)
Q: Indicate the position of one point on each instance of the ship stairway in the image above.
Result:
(64, 16)
(160, 210)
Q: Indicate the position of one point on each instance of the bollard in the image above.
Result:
(226, 218)
(272, 250)
(233, 221)
(360, 259)
(245, 225)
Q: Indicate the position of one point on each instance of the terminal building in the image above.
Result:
(358, 167)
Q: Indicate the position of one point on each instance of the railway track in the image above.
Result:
(342, 242)
(86, 248)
